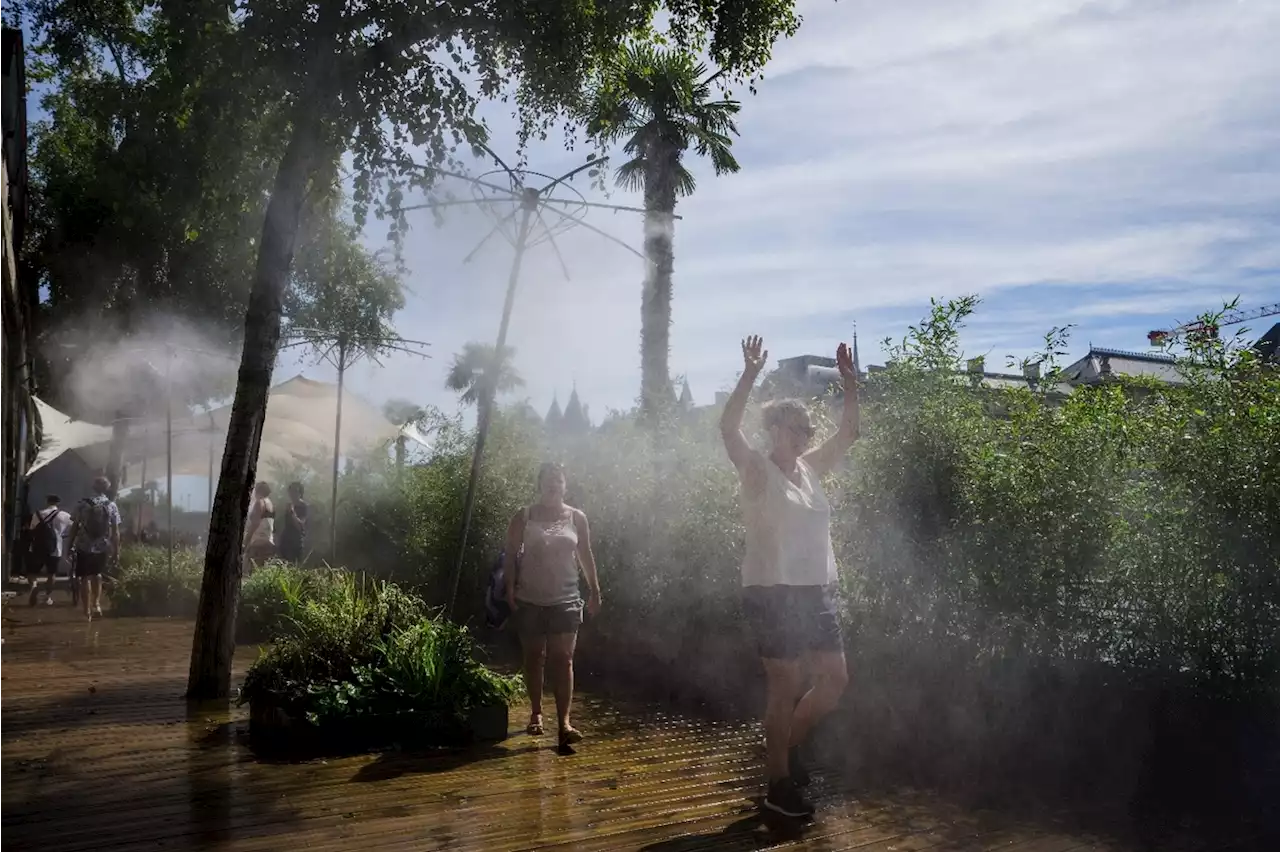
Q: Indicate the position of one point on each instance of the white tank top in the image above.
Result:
(788, 530)
(265, 533)
(548, 567)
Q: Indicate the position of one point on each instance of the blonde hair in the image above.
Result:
(778, 411)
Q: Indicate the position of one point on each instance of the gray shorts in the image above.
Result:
(788, 621)
(536, 622)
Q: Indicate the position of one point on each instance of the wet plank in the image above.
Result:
(101, 752)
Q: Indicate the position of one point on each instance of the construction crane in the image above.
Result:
(1201, 329)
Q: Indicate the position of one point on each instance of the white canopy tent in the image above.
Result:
(59, 433)
(301, 415)
(301, 421)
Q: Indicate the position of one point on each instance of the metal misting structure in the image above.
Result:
(517, 211)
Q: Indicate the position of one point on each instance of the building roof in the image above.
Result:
(1268, 346)
(1101, 361)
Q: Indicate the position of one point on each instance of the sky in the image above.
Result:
(1113, 164)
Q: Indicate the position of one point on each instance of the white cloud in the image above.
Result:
(1115, 164)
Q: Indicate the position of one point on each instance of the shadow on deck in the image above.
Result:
(101, 752)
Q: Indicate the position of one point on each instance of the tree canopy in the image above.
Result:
(343, 295)
(150, 171)
(660, 103)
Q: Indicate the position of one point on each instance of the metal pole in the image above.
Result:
(168, 428)
(530, 203)
(212, 429)
(337, 439)
(146, 450)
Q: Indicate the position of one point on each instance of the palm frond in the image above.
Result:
(684, 181)
(630, 175)
(723, 161)
(658, 99)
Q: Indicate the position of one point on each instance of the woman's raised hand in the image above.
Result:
(844, 360)
(753, 357)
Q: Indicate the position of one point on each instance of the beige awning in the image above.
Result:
(299, 426)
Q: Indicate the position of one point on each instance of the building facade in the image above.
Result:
(21, 423)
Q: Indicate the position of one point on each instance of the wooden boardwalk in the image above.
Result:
(101, 752)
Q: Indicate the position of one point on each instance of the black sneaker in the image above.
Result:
(785, 798)
(799, 772)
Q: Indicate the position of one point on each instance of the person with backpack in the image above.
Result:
(96, 538)
(550, 539)
(48, 527)
(789, 567)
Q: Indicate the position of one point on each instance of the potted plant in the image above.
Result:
(359, 669)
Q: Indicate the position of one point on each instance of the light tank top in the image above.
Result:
(548, 567)
(788, 541)
(265, 533)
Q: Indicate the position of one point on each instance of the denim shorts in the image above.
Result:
(535, 622)
(788, 621)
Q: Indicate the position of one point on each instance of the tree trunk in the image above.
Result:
(655, 308)
(213, 647)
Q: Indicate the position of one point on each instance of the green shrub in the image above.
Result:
(274, 590)
(145, 585)
(1132, 524)
(370, 650)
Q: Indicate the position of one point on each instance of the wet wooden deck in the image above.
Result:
(100, 752)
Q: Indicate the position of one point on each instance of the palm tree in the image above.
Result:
(473, 366)
(402, 412)
(660, 102)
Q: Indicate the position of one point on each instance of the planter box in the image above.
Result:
(273, 730)
(490, 724)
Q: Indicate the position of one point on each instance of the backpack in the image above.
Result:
(496, 608)
(97, 519)
(45, 538)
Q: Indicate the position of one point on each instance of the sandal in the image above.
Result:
(535, 726)
(569, 736)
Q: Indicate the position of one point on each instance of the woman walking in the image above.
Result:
(789, 568)
(551, 538)
(259, 535)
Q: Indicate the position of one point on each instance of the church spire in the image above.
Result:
(857, 364)
(686, 395)
(554, 417)
(575, 415)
